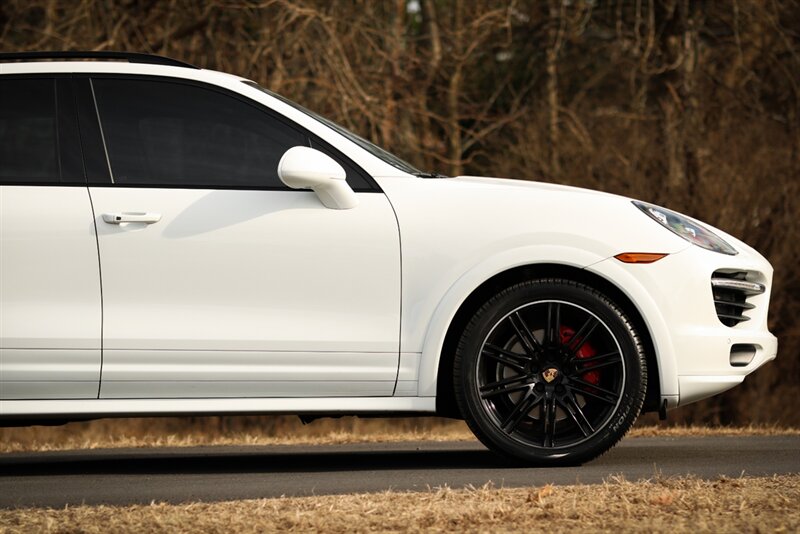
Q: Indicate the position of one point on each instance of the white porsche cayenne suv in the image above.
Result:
(180, 241)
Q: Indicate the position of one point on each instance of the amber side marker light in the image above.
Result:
(639, 257)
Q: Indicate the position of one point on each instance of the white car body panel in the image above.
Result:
(525, 223)
(338, 333)
(674, 298)
(262, 287)
(50, 311)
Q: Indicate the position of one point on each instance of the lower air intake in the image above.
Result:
(731, 291)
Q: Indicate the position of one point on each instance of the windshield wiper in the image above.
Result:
(429, 175)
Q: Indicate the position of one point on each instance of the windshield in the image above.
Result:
(372, 148)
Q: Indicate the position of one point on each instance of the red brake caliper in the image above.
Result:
(586, 351)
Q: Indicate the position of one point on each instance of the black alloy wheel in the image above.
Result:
(550, 372)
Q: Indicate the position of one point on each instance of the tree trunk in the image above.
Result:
(553, 48)
(454, 93)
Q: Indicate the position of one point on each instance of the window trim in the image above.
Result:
(95, 163)
(102, 133)
(311, 138)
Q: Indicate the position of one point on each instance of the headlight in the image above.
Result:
(686, 228)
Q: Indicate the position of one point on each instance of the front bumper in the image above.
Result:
(693, 347)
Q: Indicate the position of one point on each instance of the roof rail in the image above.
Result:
(130, 57)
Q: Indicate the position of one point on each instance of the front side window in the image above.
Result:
(372, 148)
(175, 134)
(28, 131)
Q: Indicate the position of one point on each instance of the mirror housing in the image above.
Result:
(302, 167)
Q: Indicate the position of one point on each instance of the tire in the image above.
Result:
(550, 372)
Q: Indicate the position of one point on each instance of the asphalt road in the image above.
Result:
(131, 476)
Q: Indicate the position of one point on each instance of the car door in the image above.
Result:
(218, 281)
(50, 308)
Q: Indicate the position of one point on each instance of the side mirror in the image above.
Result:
(302, 167)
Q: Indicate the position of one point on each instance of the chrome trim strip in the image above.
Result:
(751, 288)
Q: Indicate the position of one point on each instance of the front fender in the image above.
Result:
(609, 269)
(620, 275)
(467, 283)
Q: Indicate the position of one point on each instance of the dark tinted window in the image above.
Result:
(28, 131)
(175, 134)
(355, 178)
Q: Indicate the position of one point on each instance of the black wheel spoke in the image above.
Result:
(548, 416)
(577, 341)
(595, 367)
(507, 385)
(506, 357)
(593, 386)
(600, 358)
(570, 404)
(596, 362)
(523, 408)
(585, 388)
(552, 332)
(525, 336)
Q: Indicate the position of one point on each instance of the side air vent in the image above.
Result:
(731, 291)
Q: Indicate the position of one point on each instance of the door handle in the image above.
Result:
(131, 217)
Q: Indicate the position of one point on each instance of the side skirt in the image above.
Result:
(88, 408)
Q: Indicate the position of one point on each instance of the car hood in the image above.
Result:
(470, 212)
(543, 187)
(607, 210)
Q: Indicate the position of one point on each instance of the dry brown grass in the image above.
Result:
(206, 431)
(196, 431)
(698, 430)
(659, 505)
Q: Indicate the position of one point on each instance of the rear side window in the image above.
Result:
(28, 131)
(174, 134)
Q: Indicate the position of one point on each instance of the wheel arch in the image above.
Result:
(445, 398)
